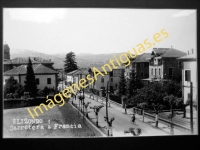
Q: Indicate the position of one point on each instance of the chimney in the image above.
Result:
(192, 51)
(49, 59)
(188, 52)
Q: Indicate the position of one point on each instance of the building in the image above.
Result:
(45, 77)
(115, 77)
(163, 64)
(141, 65)
(10, 64)
(188, 64)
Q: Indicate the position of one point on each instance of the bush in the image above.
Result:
(16, 95)
(115, 98)
(9, 95)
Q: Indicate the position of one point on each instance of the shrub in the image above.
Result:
(16, 95)
(115, 98)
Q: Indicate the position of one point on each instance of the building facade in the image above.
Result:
(188, 64)
(163, 64)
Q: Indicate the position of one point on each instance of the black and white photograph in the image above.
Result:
(99, 72)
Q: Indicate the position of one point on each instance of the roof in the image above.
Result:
(100, 69)
(34, 60)
(82, 71)
(37, 68)
(143, 57)
(72, 72)
(188, 57)
(168, 52)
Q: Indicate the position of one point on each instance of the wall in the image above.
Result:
(43, 80)
(99, 84)
(192, 66)
(144, 69)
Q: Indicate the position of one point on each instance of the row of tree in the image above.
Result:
(153, 96)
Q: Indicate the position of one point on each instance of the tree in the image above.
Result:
(30, 82)
(10, 86)
(150, 96)
(172, 101)
(173, 88)
(70, 62)
(122, 84)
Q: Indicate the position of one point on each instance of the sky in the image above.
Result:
(97, 30)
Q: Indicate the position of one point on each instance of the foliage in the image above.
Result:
(115, 98)
(30, 82)
(12, 87)
(133, 84)
(173, 88)
(150, 96)
(70, 62)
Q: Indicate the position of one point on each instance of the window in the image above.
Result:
(102, 79)
(142, 74)
(159, 71)
(155, 72)
(179, 64)
(187, 75)
(48, 80)
(151, 71)
(142, 65)
(155, 61)
(111, 79)
(37, 81)
(111, 73)
(111, 88)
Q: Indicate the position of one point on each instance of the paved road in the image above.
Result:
(123, 121)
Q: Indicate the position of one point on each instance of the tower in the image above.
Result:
(6, 50)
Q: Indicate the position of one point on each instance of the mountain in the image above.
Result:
(84, 60)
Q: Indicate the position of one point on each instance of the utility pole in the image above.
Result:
(107, 107)
(191, 107)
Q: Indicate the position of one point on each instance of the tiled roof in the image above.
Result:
(173, 53)
(188, 57)
(72, 72)
(100, 69)
(168, 52)
(143, 57)
(160, 51)
(82, 71)
(22, 60)
(37, 68)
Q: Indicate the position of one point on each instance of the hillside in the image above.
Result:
(83, 59)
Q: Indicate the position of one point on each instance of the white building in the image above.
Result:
(45, 77)
(189, 74)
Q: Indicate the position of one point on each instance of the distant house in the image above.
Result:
(163, 64)
(141, 66)
(44, 76)
(188, 64)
